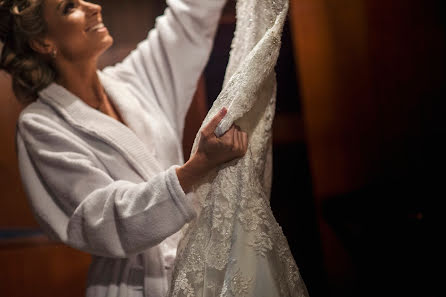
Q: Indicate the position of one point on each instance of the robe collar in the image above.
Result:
(101, 126)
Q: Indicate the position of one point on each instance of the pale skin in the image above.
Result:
(76, 38)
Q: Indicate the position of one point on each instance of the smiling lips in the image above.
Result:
(95, 27)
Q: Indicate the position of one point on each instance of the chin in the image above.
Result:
(108, 40)
(107, 43)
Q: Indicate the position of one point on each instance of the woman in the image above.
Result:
(99, 150)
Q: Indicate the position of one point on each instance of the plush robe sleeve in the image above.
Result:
(169, 62)
(80, 204)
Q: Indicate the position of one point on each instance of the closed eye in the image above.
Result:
(68, 7)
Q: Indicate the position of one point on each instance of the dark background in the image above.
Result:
(358, 148)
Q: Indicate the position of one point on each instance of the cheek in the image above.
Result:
(70, 34)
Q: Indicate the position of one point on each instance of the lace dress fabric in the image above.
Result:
(235, 247)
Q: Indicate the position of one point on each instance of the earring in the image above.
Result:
(54, 53)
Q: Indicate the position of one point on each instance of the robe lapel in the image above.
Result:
(129, 108)
(82, 117)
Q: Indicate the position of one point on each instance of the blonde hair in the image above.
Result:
(20, 22)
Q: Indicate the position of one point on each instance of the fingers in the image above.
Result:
(235, 139)
(218, 150)
(232, 140)
(228, 138)
(240, 141)
(213, 123)
(243, 136)
(245, 141)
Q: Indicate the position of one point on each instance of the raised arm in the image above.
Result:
(80, 204)
(168, 64)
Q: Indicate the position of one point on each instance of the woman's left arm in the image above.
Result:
(167, 65)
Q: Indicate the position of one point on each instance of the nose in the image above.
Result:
(92, 8)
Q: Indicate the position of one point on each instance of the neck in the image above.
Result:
(82, 80)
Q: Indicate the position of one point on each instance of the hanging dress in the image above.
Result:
(235, 247)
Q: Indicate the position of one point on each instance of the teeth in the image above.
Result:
(98, 26)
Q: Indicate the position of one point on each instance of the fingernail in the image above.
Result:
(223, 111)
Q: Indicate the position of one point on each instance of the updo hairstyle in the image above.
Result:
(20, 22)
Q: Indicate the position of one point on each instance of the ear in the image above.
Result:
(41, 46)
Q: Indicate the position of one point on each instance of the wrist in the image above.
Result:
(192, 171)
(198, 165)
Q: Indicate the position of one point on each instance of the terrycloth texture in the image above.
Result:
(110, 189)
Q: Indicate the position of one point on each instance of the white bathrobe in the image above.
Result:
(110, 189)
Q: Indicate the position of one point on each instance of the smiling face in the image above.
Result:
(75, 28)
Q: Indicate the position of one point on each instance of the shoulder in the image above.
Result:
(45, 135)
(35, 113)
(40, 121)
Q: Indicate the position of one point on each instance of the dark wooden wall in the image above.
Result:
(373, 78)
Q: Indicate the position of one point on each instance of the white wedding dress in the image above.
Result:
(235, 247)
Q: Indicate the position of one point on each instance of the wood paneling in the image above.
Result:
(40, 268)
(330, 42)
(339, 111)
(373, 85)
(14, 210)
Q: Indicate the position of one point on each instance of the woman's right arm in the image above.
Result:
(76, 200)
